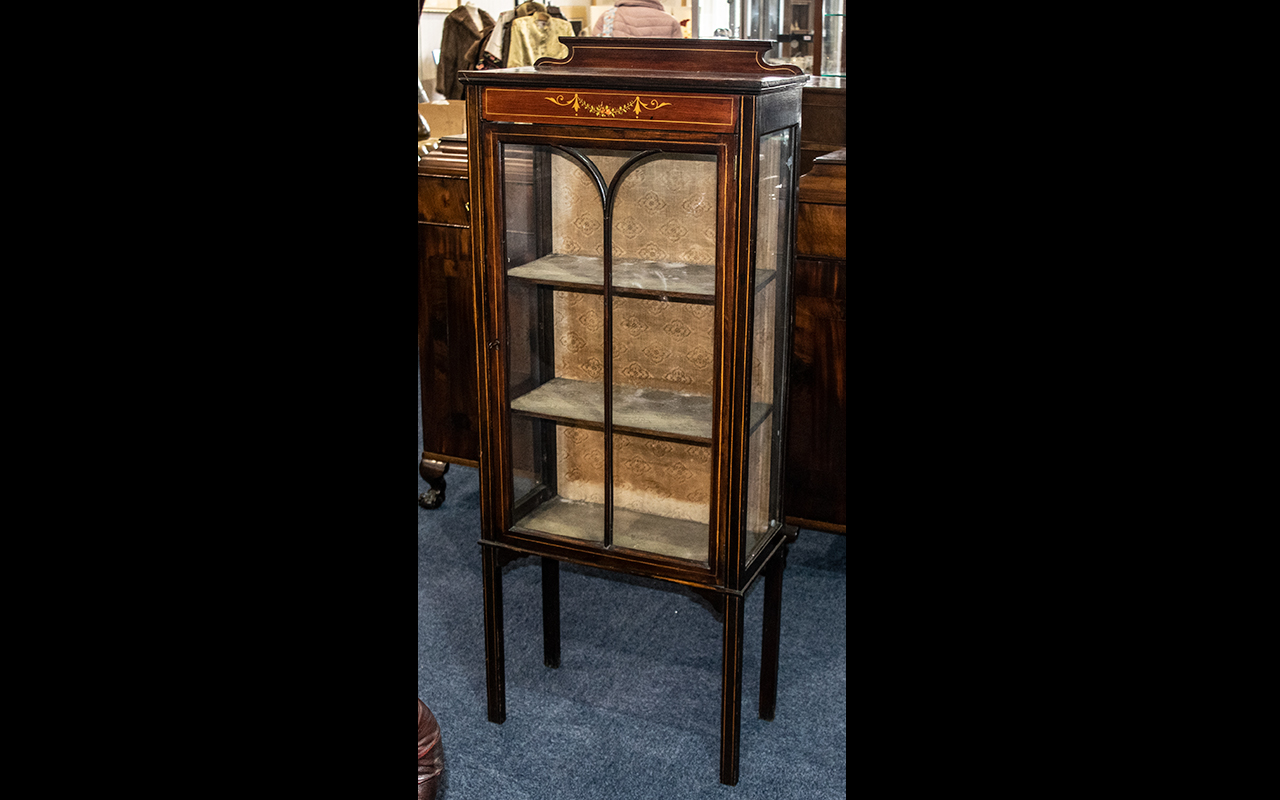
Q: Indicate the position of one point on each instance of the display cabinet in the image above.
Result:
(634, 222)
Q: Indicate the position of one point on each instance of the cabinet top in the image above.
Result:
(707, 65)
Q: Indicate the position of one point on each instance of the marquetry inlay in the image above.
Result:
(637, 105)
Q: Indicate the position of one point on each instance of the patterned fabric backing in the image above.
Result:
(664, 212)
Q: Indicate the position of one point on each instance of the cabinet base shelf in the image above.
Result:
(632, 530)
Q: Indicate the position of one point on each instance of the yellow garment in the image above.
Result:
(533, 38)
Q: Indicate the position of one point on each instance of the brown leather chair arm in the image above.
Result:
(430, 755)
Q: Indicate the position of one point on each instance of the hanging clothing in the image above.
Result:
(498, 36)
(535, 36)
(530, 7)
(459, 34)
(490, 51)
(641, 18)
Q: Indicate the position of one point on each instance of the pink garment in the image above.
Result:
(637, 18)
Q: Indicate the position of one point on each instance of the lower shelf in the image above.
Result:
(636, 410)
(633, 530)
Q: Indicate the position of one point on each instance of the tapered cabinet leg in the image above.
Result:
(551, 612)
(731, 699)
(494, 657)
(769, 642)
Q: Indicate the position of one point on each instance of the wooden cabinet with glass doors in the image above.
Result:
(635, 249)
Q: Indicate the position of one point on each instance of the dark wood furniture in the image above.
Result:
(816, 434)
(446, 318)
(635, 256)
(823, 111)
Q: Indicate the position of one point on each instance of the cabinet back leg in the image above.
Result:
(551, 612)
(769, 640)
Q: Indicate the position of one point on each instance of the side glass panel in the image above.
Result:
(769, 300)
(610, 392)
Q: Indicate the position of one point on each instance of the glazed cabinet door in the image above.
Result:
(609, 266)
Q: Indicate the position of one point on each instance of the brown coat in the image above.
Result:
(458, 35)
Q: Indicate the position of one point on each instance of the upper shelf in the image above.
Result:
(632, 277)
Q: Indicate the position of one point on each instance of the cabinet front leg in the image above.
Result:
(551, 612)
(731, 699)
(494, 657)
(769, 642)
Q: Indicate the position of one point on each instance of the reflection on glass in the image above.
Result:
(762, 19)
(833, 50)
(773, 243)
(796, 32)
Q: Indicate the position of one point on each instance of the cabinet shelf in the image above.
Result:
(638, 411)
(632, 277)
(633, 530)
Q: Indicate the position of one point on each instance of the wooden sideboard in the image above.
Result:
(816, 470)
(817, 473)
(822, 114)
(446, 318)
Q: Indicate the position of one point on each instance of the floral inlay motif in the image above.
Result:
(637, 105)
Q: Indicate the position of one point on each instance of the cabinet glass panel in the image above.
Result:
(769, 303)
(555, 334)
(664, 251)
(610, 393)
